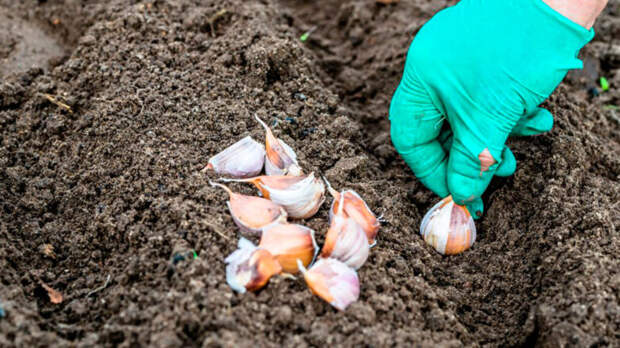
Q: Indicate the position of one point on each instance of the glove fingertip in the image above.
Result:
(476, 208)
(545, 120)
(508, 165)
(540, 121)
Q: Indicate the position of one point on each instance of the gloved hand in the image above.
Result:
(484, 66)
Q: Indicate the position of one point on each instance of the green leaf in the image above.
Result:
(604, 84)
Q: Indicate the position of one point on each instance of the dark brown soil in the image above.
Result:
(114, 188)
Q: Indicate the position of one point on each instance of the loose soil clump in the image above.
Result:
(114, 187)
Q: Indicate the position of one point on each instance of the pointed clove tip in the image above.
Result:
(208, 167)
(301, 267)
(331, 190)
(315, 245)
(231, 180)
(326, 182)
(261, 121)
(215, 184)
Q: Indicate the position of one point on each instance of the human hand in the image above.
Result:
(484, 66)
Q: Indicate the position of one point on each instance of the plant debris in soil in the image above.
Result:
(157, 87)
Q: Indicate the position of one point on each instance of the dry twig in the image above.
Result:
(214, 18)
(105, 285)
(57, 102)
(217, 230)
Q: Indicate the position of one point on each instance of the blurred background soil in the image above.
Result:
(102, 199)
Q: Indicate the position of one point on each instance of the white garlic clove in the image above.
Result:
(293, 169)
(448, 227)
(249, 267)
(301, 196)
(252, 214)
(242, 159)
(346, 240)
(280, 158)
(333, 281)
(357, 209)
(289, 243)
(300, 200)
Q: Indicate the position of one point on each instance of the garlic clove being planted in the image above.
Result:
(251, 213)
(289, 243)
(333, 281)
(249, 267)
(357, 209)
(242, 159)
(448, 227)
(346, 240)
(280, 159)
(301, 196)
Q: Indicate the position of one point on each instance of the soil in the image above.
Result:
(113, 187)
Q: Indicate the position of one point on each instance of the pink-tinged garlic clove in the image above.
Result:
(357, 209)
(289, 243)
(301, 196)
(280, 158)
(242, 159)
(333, 281)
(251, 213)
(345, 240)
(448, 227)
(293, 169)
(249, 268)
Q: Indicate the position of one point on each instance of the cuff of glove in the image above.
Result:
(560, 32)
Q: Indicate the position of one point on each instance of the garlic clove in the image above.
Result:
(333, 281)
(301, 196)
(250, 213)
(242, 159)
(280, 158)
(249, 267)
(266, 183)
(346, 240)
(302, 199)
(448, 227)
(289, 243)
(357, 209)
(293, 169)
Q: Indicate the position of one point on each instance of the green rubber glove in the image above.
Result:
(484, 66)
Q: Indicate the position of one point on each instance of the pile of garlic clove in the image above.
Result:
(285, 247)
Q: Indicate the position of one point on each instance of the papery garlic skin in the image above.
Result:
(242, 159)
(357, 209)
(280, 158)
(265, 183)
(301, 196)
(252, 214)
(333, 281)
(293, 168)
(289, 243)
(448, 227)
(346, 240)
(249, 267)
(300, 200)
